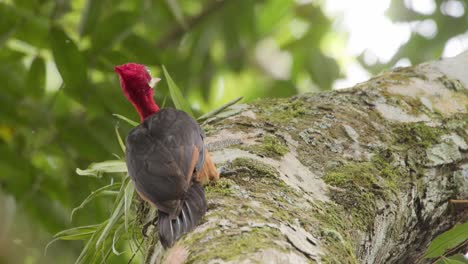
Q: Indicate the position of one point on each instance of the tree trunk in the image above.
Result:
(361, 175)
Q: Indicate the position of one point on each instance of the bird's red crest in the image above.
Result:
(134, 80)
(135, 77)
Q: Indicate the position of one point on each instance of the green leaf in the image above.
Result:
(112, 30)
(324, 73)
(117, 235)
(70, 62)
(137, 48)
(93, 195)
(76, 233)
(121, 143)
(97, 169)
(35, 80)
(176, 95)
(447, 240)
(90, 16)
(129, 121)
(272, 13)
(455, 259)
(219, 109)
(128, 198)
(89, 251)
(8, 23)
(116, 213)
(23, 24)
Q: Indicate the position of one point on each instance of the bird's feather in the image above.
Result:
(161, 155)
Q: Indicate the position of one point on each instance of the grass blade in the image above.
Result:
(219, 109)
(116, 212)
(89, 251)
(121, 143)
(176, 95)
(164, 102)
(128, 120)
(93, 195)
(97, 169)
(128, 198)
(117, 235)
(76, 233)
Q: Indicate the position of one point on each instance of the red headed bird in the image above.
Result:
(166, 158)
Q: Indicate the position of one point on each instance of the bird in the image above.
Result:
(166, 158)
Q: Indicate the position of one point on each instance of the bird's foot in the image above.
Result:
(147, 225)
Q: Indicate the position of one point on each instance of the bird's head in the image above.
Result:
(136, 83)
(134, 79)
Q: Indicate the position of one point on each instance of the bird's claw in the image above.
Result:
(147, 225)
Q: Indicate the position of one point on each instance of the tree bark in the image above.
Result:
(361, 175)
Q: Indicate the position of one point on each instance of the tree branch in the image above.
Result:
(363, 175)
(178, 31)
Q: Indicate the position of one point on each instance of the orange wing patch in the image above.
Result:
(209, 172)
(193, 163)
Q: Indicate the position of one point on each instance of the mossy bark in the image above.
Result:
(362, 175)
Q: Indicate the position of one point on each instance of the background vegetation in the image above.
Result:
(58, 90)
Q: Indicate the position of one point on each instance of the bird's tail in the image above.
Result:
(193, 209)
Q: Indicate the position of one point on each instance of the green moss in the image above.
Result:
(451, 84)
(411, 105)
(194, 237)
(281, 111)
(352, 176)
(414, 106)
(356, 195)
(335, 230)
(404, 74)
(359, 204)
(221, 186)
(232, 246)
(271, 146)
(416, 135)
(256, 168)
(457, 124)
(393, 175)
(209, 129)
(295, 109)
(362, 183)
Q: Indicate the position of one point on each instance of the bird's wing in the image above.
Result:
(180, 133)
(162, 154)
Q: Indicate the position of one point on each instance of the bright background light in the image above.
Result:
(373, 34)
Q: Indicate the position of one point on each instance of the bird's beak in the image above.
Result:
(152, 83)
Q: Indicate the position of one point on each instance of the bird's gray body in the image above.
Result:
(162, 154)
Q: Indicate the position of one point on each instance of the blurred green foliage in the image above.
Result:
(58, 90)
(420, 48)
